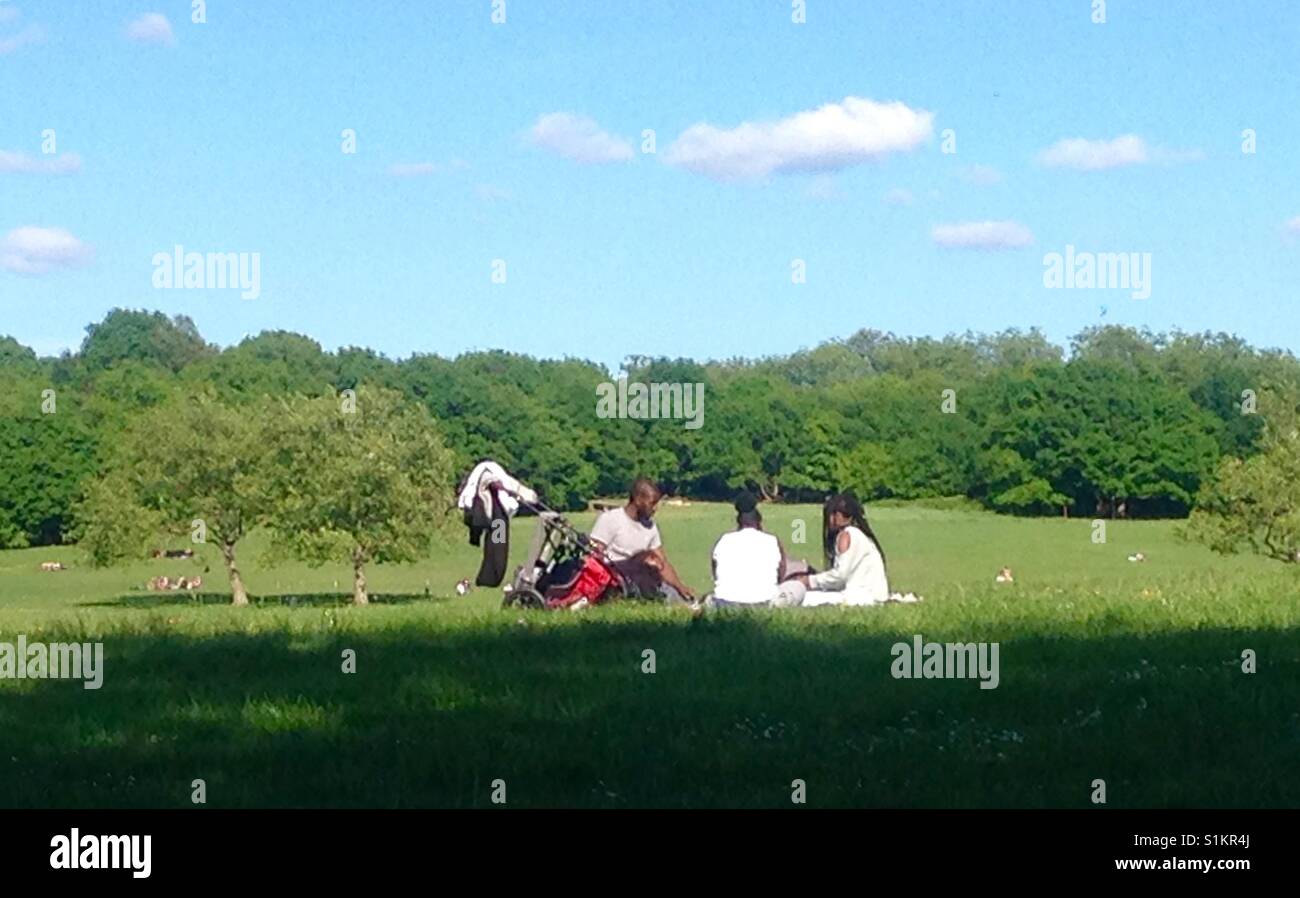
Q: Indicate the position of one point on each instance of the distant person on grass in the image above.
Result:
(857, 574)
(630, 538)
(750, 566)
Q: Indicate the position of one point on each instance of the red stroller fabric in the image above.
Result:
(593, 581)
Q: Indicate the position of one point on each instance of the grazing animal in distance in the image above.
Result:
(1137, 556)
(173, 553)
(52, 566)
(1004, 576)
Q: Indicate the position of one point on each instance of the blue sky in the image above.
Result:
(775, 141)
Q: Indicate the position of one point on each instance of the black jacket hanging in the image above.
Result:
(477, 520)
(496, 547)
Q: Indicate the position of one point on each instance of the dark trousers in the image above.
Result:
(492, 529)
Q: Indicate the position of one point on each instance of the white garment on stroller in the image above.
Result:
(487, 474)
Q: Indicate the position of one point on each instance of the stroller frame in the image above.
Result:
(543, 576)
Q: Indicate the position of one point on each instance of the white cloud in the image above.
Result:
(899, 197)
(579, 138)
(982, 235)
(1097, 155)
(23, 164)
(1293, 226)
(832, 137)
(413, 169)
(33, 250)
(422, 169)
(983, 175)
(490, 193)
(32, 34)
(151, 28)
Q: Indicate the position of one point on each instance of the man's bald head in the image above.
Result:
(643, 488)
(643, 498)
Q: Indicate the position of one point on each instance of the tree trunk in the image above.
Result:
(238, 595)
(359, 596)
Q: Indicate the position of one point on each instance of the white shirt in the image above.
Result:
(483, 477)
(624, 537)
(746, 563)
(858, 574)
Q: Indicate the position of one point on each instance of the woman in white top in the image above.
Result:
(857, 573)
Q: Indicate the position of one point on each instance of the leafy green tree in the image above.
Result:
(113, 524)
(1133, 348)
(1014, 348)
(1254, 505)
(149, 337)
(196, 466)
(359, 481)
(1012, 484)
(355, 366)
(1132, 423)
(745, 439)
(273, 363)
(49, 448)
(1217, 370)
(17, 358)
(1099, 432)
(867, 470)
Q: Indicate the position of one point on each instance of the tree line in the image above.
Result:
(1123, 422)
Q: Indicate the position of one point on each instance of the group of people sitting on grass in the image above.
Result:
(750, 565)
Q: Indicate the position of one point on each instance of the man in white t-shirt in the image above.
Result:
(749, 564)
(630, 538)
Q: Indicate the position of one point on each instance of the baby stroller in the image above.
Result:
(563, 567)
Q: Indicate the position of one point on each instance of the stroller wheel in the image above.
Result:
(618, 589)
(525, 598)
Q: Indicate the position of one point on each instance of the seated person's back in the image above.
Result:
(746, 566)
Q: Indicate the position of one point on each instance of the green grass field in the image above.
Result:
(1122, 671)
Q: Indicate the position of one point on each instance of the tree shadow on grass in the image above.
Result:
(180, 599)
(563, 710)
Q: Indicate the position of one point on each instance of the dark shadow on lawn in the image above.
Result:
(736, 709)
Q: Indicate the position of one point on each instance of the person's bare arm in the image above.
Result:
(833, 579)
(669, 574)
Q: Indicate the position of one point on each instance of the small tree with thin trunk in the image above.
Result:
(1254, 504)
(358, 478)
(195, 466)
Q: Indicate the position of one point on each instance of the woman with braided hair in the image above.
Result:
(857, 562)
